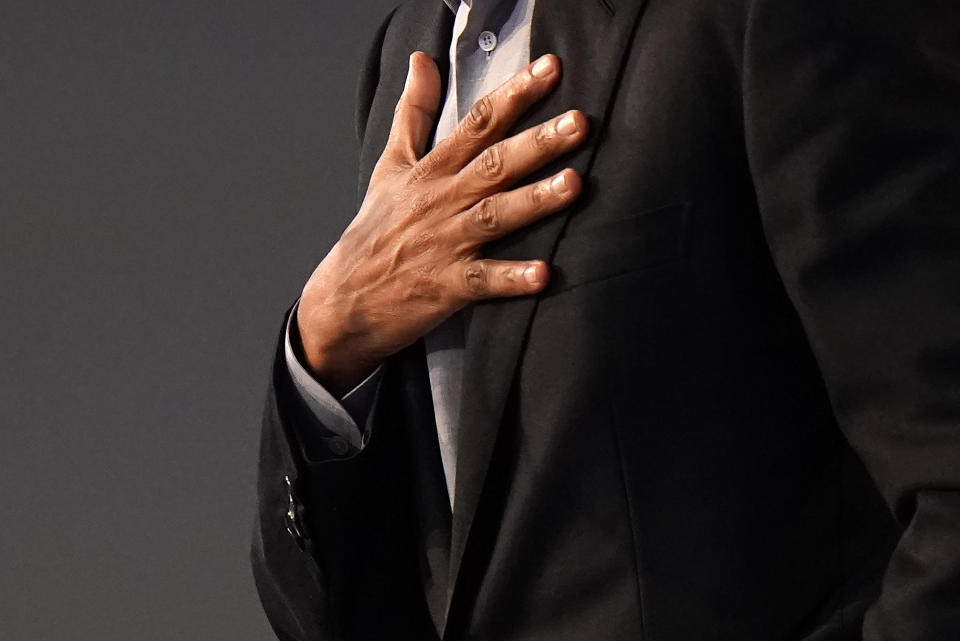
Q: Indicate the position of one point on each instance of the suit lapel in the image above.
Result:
(590, 37)
(430, 488)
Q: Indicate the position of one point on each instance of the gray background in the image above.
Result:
(170, 173)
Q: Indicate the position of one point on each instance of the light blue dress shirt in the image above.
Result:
(490, 43)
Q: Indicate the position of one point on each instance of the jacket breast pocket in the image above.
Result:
(641, 241)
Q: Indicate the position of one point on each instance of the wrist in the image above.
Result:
(338, 376)
(327, 356)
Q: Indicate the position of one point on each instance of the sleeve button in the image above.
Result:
(292, 518)
(338, 446)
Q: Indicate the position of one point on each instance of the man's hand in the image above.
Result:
(412, 255)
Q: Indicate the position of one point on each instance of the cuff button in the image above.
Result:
(338, 446)
(292, 517)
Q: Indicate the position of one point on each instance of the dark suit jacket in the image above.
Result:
(735, 413)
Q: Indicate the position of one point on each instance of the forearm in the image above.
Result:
(319, 537)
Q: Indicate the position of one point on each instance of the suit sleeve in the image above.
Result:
(309, 541)
(852, 121)
(343, 417)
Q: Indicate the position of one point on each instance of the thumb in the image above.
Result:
(416, 111)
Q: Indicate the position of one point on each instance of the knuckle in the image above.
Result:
(417, 173)
(408, 109)
(486, 216)
(539, 195)
(542, 136)
(479, 119)
(476, 279)
(514, 91)
(421, 169)
(420, 205)
(406, 251)
(490, 163)
(426, 284)
(423, 242)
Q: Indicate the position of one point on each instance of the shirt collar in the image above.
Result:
(454, 4)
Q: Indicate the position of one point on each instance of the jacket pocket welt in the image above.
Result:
(644, 240)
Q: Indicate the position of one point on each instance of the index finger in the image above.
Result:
(491, 116)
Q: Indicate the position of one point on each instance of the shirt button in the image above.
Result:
(338, 446)
(488, 41)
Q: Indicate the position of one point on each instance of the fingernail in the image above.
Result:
(530, 275)
(567, 125)
(559, 184)
(543, 67)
